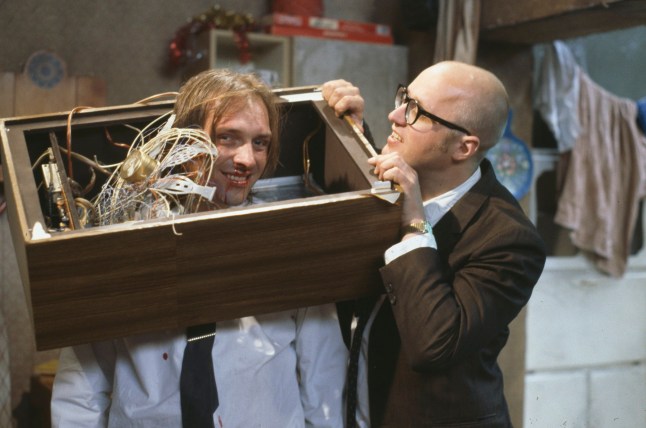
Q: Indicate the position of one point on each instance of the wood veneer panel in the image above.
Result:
(113, 281)
(88, 287)
(265, 260)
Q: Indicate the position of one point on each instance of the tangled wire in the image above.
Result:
(165, 174)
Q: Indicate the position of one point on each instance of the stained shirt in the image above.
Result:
(278, 370)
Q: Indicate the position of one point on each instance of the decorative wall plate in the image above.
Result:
(45, 69)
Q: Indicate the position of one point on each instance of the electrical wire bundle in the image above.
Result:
(164, 174)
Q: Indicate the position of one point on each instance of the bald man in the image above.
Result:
(466, 264)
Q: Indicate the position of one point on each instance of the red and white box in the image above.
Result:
(315, 26)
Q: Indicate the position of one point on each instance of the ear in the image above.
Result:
(467, 148)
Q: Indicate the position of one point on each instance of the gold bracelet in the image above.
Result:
(417, 227)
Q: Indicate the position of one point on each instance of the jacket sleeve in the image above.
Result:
(445, 311)
(321, 359)
(82, 386)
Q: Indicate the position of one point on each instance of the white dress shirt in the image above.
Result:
(434, 210)
(278, 370)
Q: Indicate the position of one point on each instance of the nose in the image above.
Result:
(398, 115)
(244, 155)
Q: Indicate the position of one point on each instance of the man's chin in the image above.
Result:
(236, 198)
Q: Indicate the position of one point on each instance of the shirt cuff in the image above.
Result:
(403, 247)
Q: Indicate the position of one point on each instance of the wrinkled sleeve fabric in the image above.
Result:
(82, 386)
(322, 359)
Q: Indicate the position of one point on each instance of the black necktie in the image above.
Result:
(363, 314)
(197, 389)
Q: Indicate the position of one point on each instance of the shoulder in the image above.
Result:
(488, 220)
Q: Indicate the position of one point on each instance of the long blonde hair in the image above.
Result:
(218, 91)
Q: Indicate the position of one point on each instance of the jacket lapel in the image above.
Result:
(448, 230)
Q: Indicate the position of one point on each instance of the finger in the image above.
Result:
(388, 170)
(341, 93)
(344, 98)
(392, 174)
(331, 86)
(352, 105)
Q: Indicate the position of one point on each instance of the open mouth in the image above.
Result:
(396, 137)
(238, 179)
(232, 179)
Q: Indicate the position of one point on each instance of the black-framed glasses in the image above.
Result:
(414, 110)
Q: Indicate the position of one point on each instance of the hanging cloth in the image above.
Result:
(606, 177)
(556, 92)
(458, 25)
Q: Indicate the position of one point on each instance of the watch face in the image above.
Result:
(512, 162)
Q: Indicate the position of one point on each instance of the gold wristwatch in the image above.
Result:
(417, 227)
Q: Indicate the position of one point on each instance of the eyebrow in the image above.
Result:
(235, 130)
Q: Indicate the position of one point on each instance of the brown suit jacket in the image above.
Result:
(434, 343)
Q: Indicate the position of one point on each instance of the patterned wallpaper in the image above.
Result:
(122, 41)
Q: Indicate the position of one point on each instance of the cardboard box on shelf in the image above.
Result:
(314, 26)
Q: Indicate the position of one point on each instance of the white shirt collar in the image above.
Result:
(436, 207)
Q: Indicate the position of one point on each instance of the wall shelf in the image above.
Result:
(270, 56)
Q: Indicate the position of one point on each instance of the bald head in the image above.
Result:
(477, 98)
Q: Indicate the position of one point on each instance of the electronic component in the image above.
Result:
(57, 217)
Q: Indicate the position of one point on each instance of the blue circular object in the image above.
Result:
(45, 69)
(512, 162)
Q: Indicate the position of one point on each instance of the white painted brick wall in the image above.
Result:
(586, 347)
(618, 397)
(578, 317)
(556, 399)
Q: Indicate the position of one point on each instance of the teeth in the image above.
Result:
(236, 178)
(396, 137)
